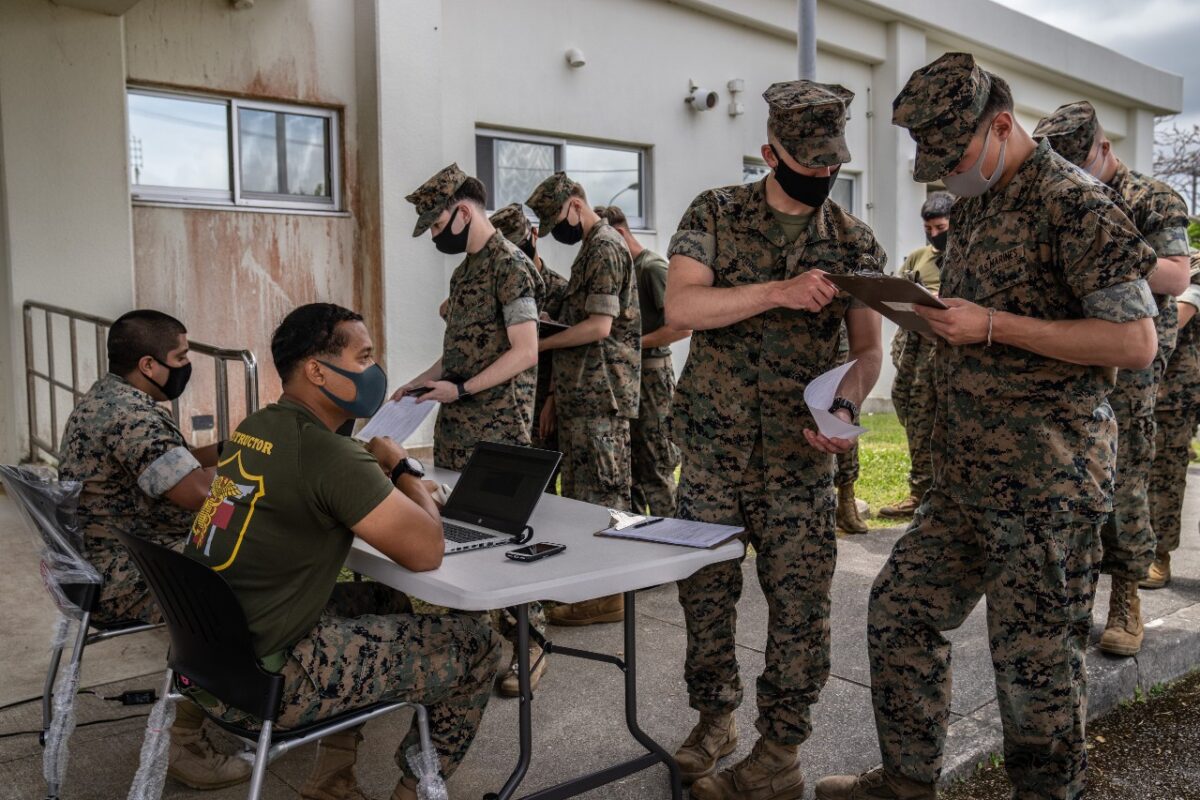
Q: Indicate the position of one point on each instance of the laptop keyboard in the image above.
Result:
(460, 535)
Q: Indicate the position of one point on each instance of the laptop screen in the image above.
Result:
(501, 486)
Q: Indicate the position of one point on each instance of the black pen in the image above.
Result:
(647, 522)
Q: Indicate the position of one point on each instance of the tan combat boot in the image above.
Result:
(848, 520)
(194, 761)
(507, 683)
(874, 785)
(1159, 574)
(332, 777)
(1123, 632)
(713, 738)
(770, 772)
(588, 612)
(905, 508)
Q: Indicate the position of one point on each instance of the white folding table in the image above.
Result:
(590, 567)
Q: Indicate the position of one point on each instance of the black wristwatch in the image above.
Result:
(462, 389)
(849, 405)
(408, 466)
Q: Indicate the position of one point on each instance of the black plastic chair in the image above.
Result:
(48, 508)
(212, 647)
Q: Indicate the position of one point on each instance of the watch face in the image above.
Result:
(415, 466)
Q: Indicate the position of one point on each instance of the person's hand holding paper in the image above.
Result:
(962, 322)
(835, 431)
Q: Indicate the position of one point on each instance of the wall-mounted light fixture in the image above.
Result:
(735, 87)
(701, 99)
(575, 58)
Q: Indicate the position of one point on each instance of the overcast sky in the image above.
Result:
(1162, 33)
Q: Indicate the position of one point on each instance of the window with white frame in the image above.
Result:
(204, 150)
(511, 165)
(845, 188)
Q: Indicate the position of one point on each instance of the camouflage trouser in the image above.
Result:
(653, 456)
(368, 647)
(124, 595)
(1127, 536)
(792, 533)
(504, 619)
(1168, 476)
(595, 459)
(915, 403)
(1038, 572)
(847, 467)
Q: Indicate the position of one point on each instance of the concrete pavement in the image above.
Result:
(578, 711)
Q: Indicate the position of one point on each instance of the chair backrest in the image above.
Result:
(48, 507)
(211, 643)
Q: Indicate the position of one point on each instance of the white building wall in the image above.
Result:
(67, 224)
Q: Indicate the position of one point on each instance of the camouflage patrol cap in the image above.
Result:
(937, 205)
(809, 120)
(548, 198)
(512, 222)
(432, 196)
(1071, 130)
(941, 106)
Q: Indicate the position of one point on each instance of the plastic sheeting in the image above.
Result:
(426, 768)
(152, 768)
(54, 757)
(48, 507)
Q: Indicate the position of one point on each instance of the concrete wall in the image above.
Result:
(66, 209)
(232, 275)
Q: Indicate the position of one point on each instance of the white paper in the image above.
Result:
(899, 306)
(620, 520)
(686, 533)
(819, 397)
(397, 419)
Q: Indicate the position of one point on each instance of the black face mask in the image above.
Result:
(177, 380)
(938, 240)
(529, 248)
(452, 243)
(807, 189)
(566, 233)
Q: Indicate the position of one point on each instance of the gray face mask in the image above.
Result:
(972, 183)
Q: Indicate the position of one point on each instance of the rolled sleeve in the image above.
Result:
(1191, 295)
(523, 309)
(697, 245)
(1121, 302)
(165, 472)
(1169, 242)
(607, 304)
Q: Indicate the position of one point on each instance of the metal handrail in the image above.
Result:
(220, 355)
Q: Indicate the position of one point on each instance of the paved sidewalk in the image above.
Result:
(578, 712)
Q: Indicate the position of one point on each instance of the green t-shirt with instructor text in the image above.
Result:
(276, 523)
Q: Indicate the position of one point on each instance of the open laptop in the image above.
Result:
(495, 496)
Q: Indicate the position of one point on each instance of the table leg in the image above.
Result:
(525, 712)
(631, 698)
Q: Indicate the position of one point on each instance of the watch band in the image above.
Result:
(403, 467)
(849, 405)
(462, 389)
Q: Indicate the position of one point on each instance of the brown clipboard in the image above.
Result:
(891, 296)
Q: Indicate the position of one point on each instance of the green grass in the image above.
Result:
(883, 461)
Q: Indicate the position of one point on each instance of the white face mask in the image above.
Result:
(972, 183)
(1095, 167)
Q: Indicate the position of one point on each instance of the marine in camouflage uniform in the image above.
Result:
(1161, 217)
(653, 455)
(1177, 413)
(912, 354)
(1023, 447)
(512, 222)
(595, 383)
(127, 451)
(739, 411)
(491, 291)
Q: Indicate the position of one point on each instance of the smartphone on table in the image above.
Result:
(535, 552)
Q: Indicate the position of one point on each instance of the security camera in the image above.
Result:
(701, 99)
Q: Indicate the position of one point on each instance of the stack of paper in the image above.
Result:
(819, 394)
(397, 419)
(682, 532)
